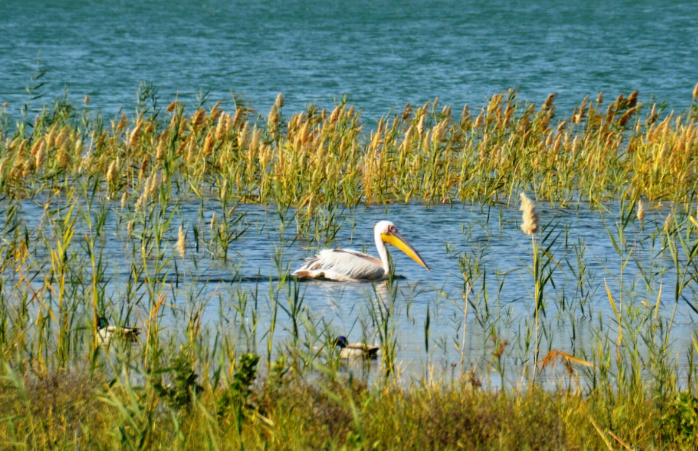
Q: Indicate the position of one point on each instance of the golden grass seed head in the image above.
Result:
(122, 123)
(86, 100)
(111, 172)
(695, 92)
(62, 157)
(172, 106)
(334, 117)
(279, 103)
(668, 224)
(530, 217)
(407, 112)
(632, 99)
(243, 135)
(599, 99)
(181, 243)
(160, 150)
(420, 124)
(640, 210)
(124, 200)
(198, 118)
(40, 155)
(220, 127)
(549, 101)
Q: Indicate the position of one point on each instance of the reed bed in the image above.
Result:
(166, 187)
(325, 157)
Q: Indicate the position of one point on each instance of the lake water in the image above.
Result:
(427, 315)
(382, 54)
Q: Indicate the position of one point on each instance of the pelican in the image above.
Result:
(355, 350)
(346, 265)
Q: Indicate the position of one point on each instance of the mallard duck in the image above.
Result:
(105, 332)
(356, 350)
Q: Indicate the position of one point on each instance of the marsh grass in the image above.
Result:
(169, 187)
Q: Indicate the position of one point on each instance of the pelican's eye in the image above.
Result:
(392, 229)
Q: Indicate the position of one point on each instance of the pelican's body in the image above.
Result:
(346, 265)
(105, 332)
(355, 350)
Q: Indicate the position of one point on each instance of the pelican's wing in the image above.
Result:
(344, 265)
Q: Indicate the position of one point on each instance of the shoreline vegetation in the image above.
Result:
(233, 384)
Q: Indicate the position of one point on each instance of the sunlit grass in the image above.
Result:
(72, 182)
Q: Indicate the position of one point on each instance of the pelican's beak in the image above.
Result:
(399, 242)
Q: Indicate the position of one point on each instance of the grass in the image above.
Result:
(125, 218)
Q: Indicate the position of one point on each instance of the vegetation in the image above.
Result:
(124, 219)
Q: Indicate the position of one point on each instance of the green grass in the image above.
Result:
(237, 382)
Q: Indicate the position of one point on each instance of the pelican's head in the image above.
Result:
(388, 234)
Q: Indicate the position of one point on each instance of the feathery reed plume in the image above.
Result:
(548, 104)
(220, 127)
(530, 217)
(86, 100)
(335, 114)
(124, 200)
(640, 211)
(172, 106)
(150, 186)
(181, 244)
(198, 118)
(213, 220)
(279, 101)
(668, 223)
(160, 151)
(111, 172)
(632, 99)
(420, 124)
(599, 99)
(695, 92)
(40, 155)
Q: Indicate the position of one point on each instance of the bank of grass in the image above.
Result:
(602, 150)
(72, 185)
(68, 410)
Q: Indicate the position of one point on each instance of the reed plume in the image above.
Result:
(640, 211)
(181, 244)
(530, 217)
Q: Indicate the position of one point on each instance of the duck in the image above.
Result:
(105, 332)
(355, 350)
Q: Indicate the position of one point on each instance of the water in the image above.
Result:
(382, 54)
(447, 237)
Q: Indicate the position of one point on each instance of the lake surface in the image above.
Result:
(382, 54)
(482, 246)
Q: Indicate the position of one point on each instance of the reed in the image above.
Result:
(168, 192)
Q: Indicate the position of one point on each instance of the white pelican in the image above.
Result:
(346, 265)
(355, 350)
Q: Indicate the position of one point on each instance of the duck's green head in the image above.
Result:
(102, 322)
(341, 341)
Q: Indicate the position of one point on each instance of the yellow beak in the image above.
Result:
(399, 242)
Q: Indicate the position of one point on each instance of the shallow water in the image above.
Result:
(382, 54)
(236, 294)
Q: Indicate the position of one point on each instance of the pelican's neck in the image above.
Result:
(383, 252)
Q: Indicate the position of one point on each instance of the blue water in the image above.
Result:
(381, 54)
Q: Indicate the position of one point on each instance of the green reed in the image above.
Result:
(191, 383)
